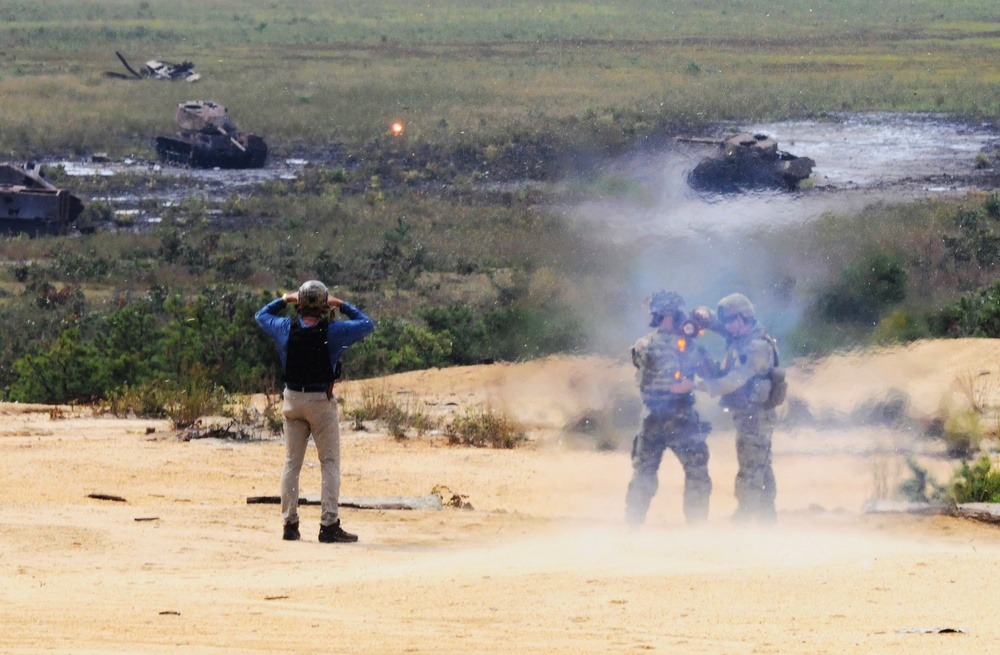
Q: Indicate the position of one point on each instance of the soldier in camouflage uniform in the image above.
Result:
(667, 360)
(744, 386)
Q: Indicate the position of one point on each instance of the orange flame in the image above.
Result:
(677, 375)
(682, 344)
(397, 128)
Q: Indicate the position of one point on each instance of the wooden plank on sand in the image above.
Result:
(430, 501)
(987, 512)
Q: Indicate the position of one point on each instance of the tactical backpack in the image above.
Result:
(779, 386)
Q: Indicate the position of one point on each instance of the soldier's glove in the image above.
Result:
(703, 318)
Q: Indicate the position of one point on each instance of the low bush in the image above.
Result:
(866, 290)
(182, 402)
(898, 327)
(963, 431)
(978, 482)
(377, 404)
(146, 400)
(976, 314)
(485, 428)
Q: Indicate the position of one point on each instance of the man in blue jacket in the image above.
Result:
(310, 347)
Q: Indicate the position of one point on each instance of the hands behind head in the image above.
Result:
(292, 298)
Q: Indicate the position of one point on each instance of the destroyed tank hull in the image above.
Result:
(212, 150)
(748, 162)
(207, 138)
(31, 205)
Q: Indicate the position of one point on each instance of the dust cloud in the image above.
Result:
(542, 564)
(714, 243)
(709, 245)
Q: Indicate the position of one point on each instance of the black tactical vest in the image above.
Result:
(307, 361)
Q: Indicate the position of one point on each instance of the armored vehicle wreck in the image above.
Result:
(30, 204)
(747, 162)
(158, 70)
(207, 138)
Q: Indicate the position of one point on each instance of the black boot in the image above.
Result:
(291, 532)
(334, 534)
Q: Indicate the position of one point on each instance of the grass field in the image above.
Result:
(328, 72)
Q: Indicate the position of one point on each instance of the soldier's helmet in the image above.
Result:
(736, 304)
(665, 302)
(313, 298)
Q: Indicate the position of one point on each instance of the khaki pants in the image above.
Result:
(306, 414)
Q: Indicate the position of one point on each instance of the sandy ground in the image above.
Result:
(542, 563)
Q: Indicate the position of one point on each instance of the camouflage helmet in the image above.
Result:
(312, 298)
(733, 305)
(665, 302)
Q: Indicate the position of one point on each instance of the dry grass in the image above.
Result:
(485, 428)
(320, 73)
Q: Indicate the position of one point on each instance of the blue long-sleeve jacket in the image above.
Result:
(340, 334)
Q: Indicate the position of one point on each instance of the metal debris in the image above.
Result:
(156, 69)
(31, 204)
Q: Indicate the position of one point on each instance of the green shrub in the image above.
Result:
(69, 370)
(378, 405)
(898, 327)
(183, 402)
(96, 212)
(523, 332)
(992, 205)
(398, 346)
(274, 420)
(975, 239)
(456, 322)
(485, 428)
(866, 289)
(145, 400)
(194, 396)
(977, 483)
(974, 315)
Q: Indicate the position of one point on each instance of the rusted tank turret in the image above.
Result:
(748, 162)
(30, 204)
(207, 138)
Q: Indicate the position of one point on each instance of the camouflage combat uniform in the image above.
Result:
(662, 358)
(744, 385)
